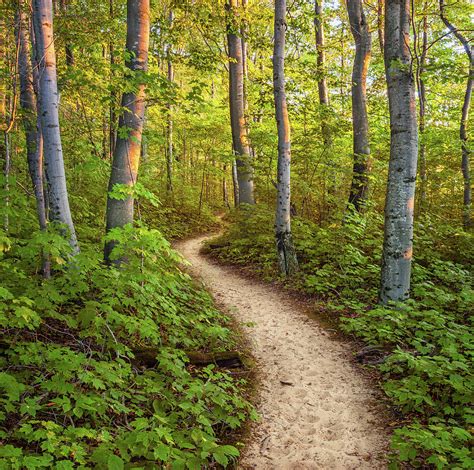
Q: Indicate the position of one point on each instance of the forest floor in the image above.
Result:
(317, 409)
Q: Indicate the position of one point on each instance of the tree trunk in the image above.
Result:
(34, 150)
(48, 97)
(127, 148)
(360, 123)
(67, 47)
(380, 4)
(169, 124)
(113, 93)
(284, 242)
(237, 109)
(235, 184)
(465, 152)
(399, 204)
(321, 64)
(420, 83)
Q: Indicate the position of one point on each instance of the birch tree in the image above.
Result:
(59, 210)
(126, 156)
(238, 123)
(34, 140)
(465, 152)
(360, 123)
(399, 203)
(284, 242)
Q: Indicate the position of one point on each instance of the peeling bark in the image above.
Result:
(399, 204)
(284, 243)
(48, 96)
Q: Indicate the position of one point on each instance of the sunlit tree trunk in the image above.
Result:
(360, 123)
(113, 93)
(465, 151)
(169, 123)
(237, 109)
(420, 84)
(59, 210)
(399, 204)
(380, 34)
(34, 150)
(284, 242)
(127, 148)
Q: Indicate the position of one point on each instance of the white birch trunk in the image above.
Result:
(399, 204)
(284, 242)
(59, 210)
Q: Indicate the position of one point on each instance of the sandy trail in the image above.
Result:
(328, 418)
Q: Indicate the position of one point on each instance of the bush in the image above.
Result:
(72, 393)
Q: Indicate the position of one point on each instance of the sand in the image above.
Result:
(317, 410)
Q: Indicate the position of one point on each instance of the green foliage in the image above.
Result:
(427, 343)
(72, 393)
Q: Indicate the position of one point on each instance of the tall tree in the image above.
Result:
(59, 210)
(169, 117)
(399, 203)
(467, 196)
(421, 56)
(127, 147)
(34, 140)
(360, 123)
(240, 139)
(284, 241)
(321, 65)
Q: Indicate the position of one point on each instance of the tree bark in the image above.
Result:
(59, 210)
(399, 204)
(284, 242)
(420, 84)
(360, 123)
(237, 109)
(169, 123)
(465, 151)
(34, 150)
(127, 148)
(380, 4)
(321, 69)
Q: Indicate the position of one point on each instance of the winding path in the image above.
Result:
(317, 411)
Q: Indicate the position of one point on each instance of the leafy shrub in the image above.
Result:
(427, 342)
(73, 394)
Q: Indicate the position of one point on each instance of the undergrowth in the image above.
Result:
(73, 395)
(425, 347)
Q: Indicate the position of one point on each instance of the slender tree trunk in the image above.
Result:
(399, 204)
(34, 149)
(284, 241)
(235, 183)
(360, 123)
(420, 83)
(237, 112)
(68, 47)
(169, 124)
(59, 210)
(380, 4)
(321, 69)
(127, 149)
(465, 151)
(113, 93)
